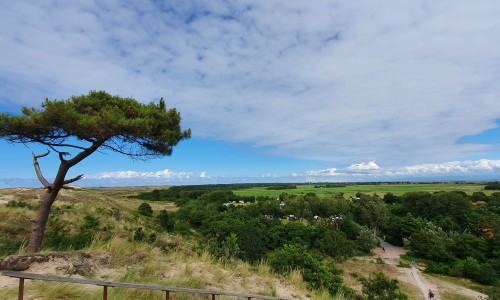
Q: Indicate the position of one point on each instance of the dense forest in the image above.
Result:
(453, 233)
(492, 186)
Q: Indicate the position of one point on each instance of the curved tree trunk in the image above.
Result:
(41, 220)
(53, 189)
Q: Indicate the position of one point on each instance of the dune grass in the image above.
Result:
(143, 263)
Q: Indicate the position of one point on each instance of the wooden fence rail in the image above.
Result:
(105, 284)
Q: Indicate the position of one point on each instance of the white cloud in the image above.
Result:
(268, 175)
(164, 175)
(486, 169)
(455, 167)
(370, 166)
(339, 81)
(326, 172)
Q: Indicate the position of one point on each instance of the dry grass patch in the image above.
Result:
(454, 296)
(366, 266)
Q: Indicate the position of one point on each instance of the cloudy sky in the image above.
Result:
(274, 91)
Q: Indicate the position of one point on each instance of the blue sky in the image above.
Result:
(274, 91)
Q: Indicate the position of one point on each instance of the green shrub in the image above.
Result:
(22, 204)
(139, 235)
(89, 223)
(59, 236)
(438, 268)
(145, 209)
(382, 288)
(165, 220)
(151, 238)
(365, 240)
(469, 268)
(314, 273)
(335, 244)
(224, 250)
(404, 264)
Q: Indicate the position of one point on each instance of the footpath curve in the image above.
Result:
(392, 255)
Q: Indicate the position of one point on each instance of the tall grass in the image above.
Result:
(55, 290)
(15, 227)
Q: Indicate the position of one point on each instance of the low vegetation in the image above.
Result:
(292, 246)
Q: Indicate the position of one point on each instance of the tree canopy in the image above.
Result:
(99, 120)
(85, 124)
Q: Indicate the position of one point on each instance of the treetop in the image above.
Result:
(99, 120)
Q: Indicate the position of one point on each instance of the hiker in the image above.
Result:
(431, 295)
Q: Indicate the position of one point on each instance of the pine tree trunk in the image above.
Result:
(50, 196)
(48, 199)
(41, 221)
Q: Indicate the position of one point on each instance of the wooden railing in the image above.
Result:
(105, 284)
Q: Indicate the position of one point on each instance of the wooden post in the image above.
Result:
(167, 295)
(213, 296)
(105, 293)
(20, 294)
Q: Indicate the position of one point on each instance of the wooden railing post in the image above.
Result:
(105, 293)
(167, 295)
(20, 294)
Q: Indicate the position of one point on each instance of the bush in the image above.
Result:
(487, 275)
(365, 240)
(145, 209)
(382, 288)
(468, 268)
(438, 268)
(165, 220)
(336, 244)
(182, 227)
(59, 237)
(314, 273)
(139, 235)
(252, 243)
(224, 250)
(404, 264)
(481, 273)
(22, 204)
(430, 243)
(90, 223)
(492, 186)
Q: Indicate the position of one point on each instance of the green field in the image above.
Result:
(380, 189)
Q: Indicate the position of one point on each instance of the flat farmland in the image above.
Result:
(351, 189)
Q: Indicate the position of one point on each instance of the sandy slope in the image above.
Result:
(215, 277)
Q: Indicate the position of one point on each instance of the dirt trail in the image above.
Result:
(391, 255)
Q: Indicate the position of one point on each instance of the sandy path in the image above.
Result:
(391, 256)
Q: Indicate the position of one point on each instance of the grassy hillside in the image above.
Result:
(111, 240)
(114, 255)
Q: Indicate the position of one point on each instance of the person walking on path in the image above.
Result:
(431, 295)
